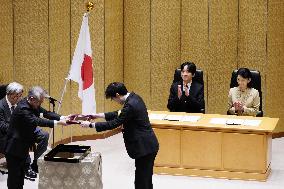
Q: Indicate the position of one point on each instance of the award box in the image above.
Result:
(68, 153)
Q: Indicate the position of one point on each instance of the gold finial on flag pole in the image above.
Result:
(89, 6)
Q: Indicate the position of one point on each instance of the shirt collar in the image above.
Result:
(188, 85)
(126, 96)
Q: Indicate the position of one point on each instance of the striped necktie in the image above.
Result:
(12, 108)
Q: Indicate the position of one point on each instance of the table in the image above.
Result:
(214, 150)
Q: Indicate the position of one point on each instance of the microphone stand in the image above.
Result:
(51, 133)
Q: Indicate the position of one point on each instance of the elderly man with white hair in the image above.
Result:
(21, 133)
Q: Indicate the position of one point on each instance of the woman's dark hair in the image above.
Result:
(115, 87)
(245, 73)
(190, 67)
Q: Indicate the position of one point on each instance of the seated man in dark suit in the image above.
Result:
(186, 95)
(139, 138)
(14, 93)
(21, 133)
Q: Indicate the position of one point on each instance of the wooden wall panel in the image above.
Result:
(31, 48)
(6, 42)
(222, 52)
(59, 52)
(137, 47)
(194, 32)
(252, 34)
(165, 49)
(195, 36)
(275, 59)
(113, 70)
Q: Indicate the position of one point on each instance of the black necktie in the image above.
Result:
(12, 109)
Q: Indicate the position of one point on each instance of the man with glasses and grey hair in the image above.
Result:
(21, 133)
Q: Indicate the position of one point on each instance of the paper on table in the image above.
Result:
(218, 121)
(249, 122)
(234, 121)
(157, 116)
(190, 118)
(173, 117)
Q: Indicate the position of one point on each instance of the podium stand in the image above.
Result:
(87, 174)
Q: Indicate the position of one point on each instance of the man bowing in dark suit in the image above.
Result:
(21, 133)
(140, 141)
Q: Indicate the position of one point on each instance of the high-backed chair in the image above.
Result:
(256, 83)
(2, 95)
(2, 91)
(198, 77)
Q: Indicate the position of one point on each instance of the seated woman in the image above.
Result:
(186, 95)
(243, 100)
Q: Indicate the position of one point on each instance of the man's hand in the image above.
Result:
(179, 91)
(65, 118)
(85, 124)
(62, 122)
(71, 116)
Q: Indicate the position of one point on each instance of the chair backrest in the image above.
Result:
(197, 77)
(255, 80)
(2, 91)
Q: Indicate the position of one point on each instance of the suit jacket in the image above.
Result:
(5, 114)
(192, 103)
(249, 97)
(23, 123)
(139, 137)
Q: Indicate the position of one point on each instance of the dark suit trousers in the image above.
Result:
(16, 173)
(144, 171)
(42, 143)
